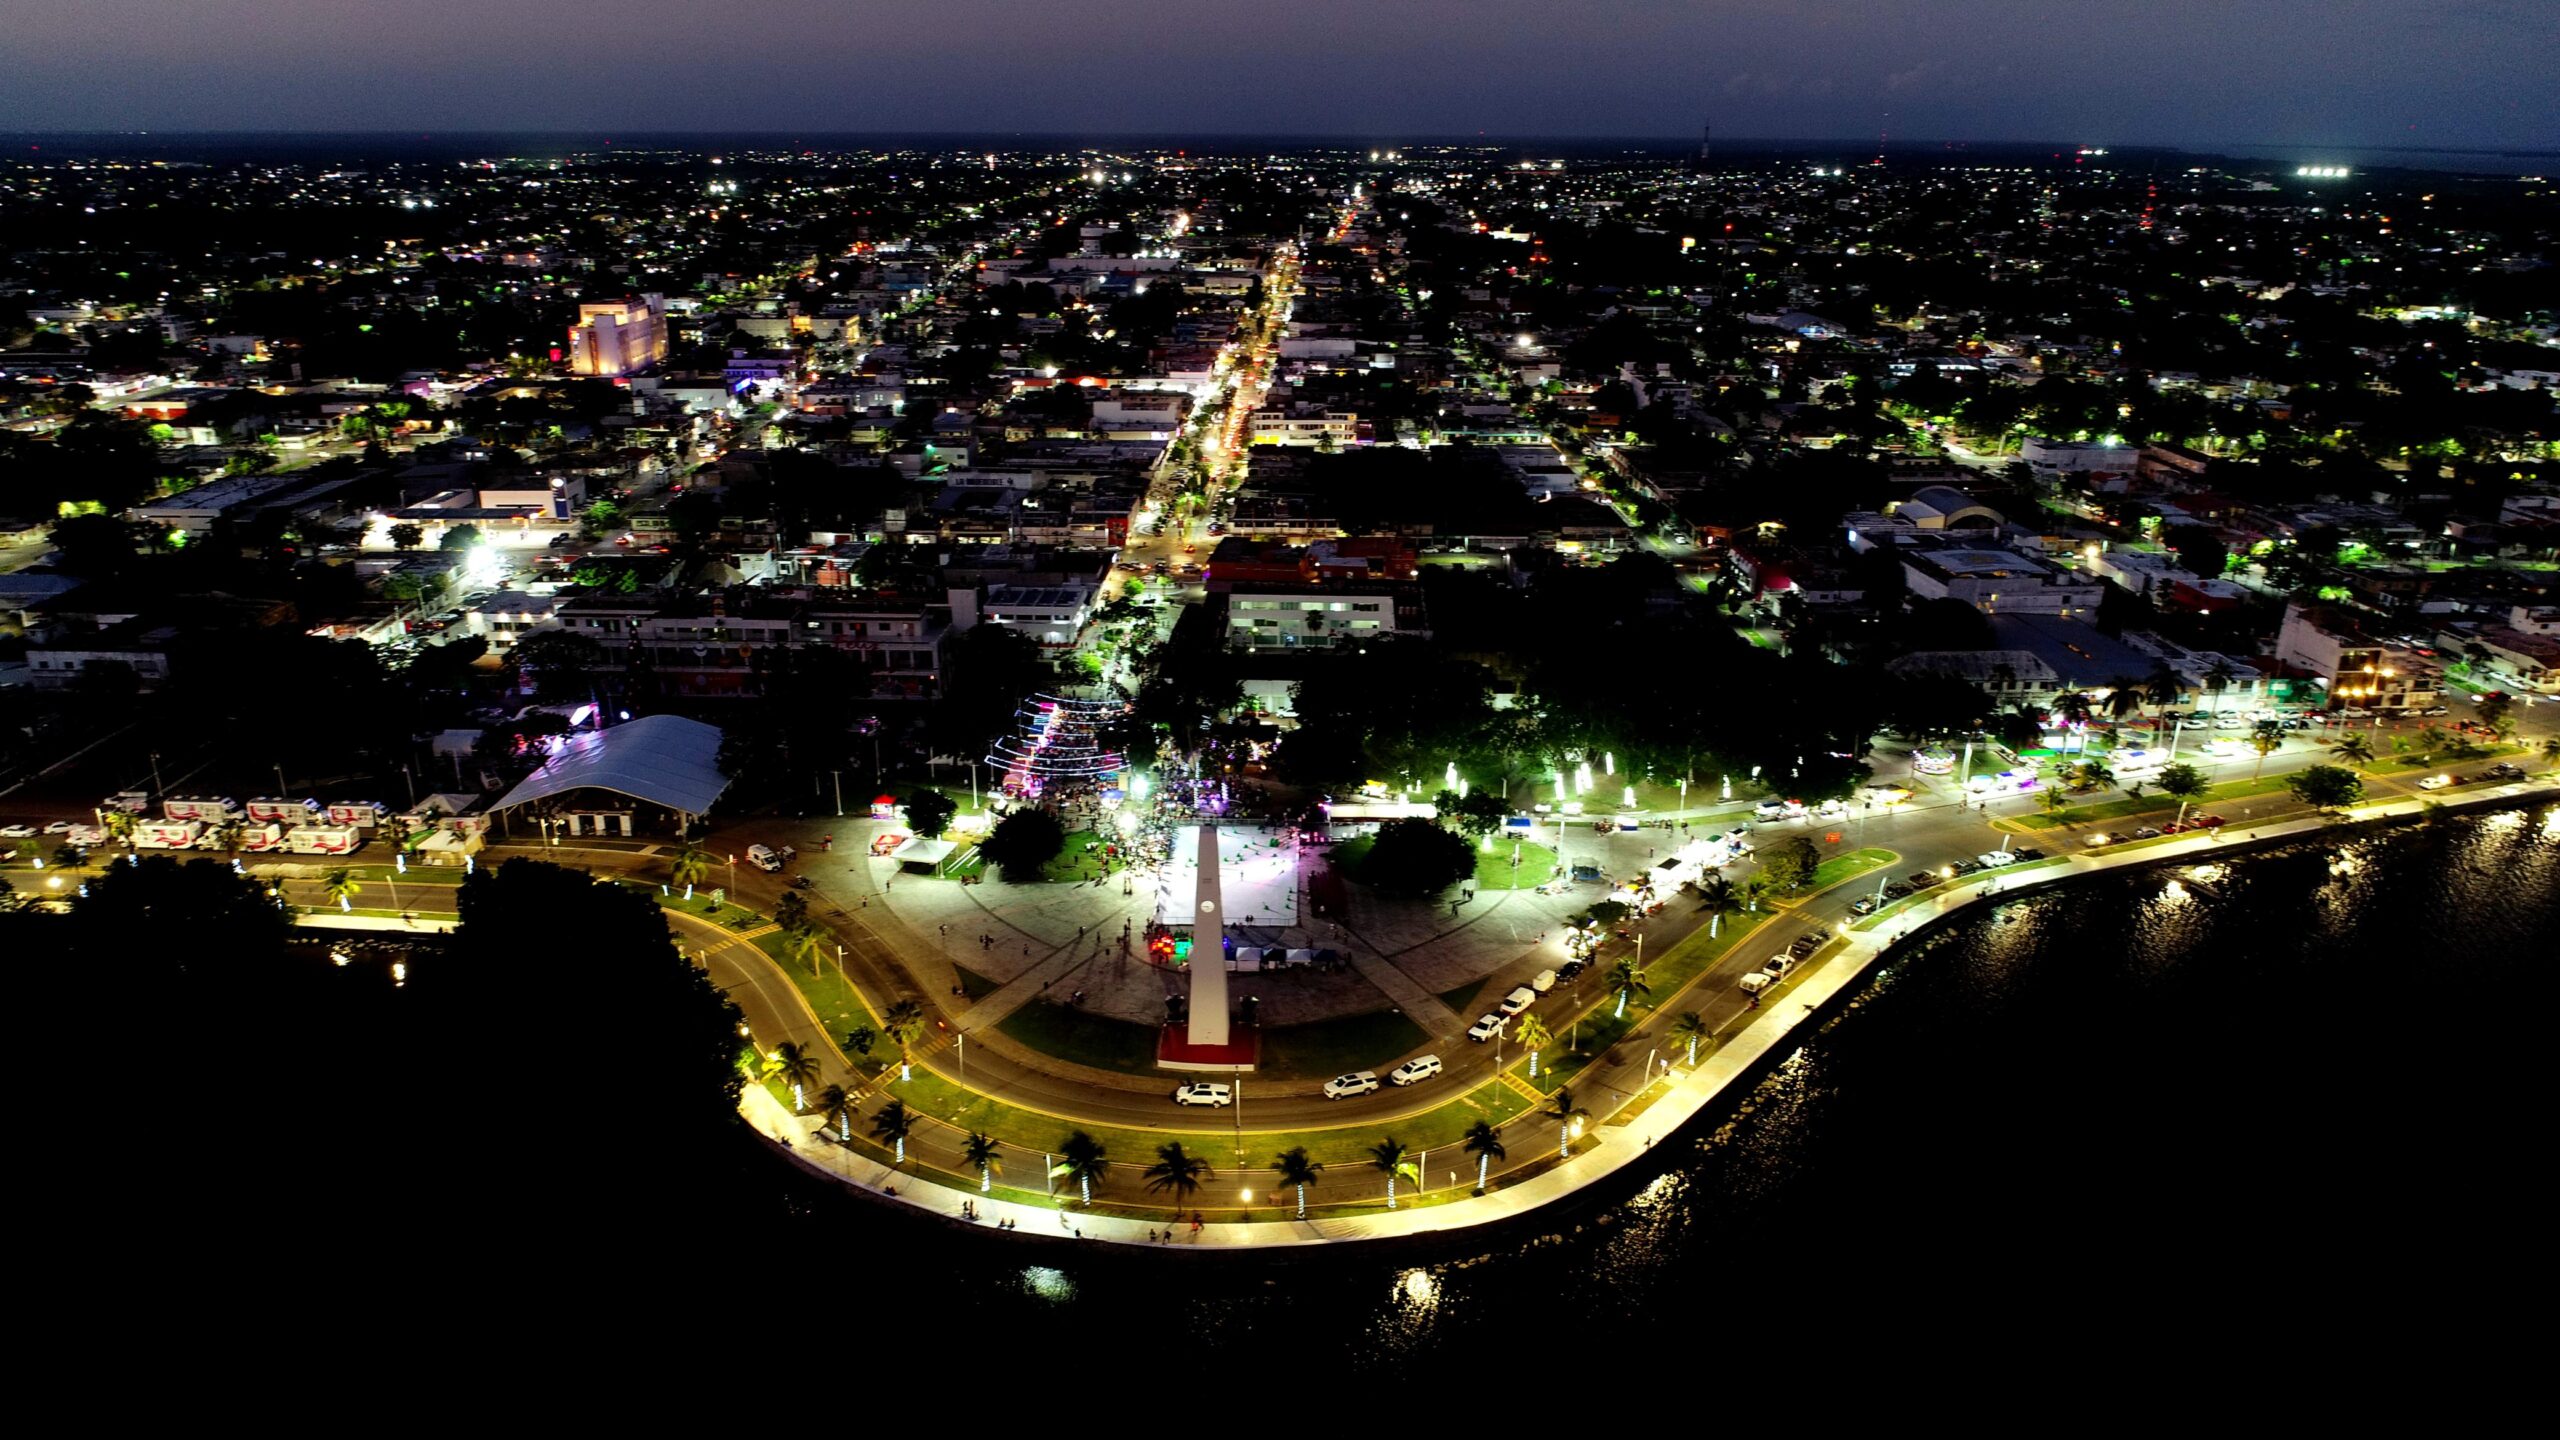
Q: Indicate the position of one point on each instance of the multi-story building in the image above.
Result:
(1321, 617)
(2355, 668)
(618, 337)
(1305, 426)
(725, 645)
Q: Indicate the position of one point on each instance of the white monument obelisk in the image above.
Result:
(1208, 950)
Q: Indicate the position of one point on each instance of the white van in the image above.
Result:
(1545, 981)
(764, 857)
(1755, 982)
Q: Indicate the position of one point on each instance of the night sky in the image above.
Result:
(2436, 73)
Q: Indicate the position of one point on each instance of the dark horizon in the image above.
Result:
(2345, 74)
(1734, 147)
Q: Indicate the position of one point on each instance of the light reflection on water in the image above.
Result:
(2100, 1075)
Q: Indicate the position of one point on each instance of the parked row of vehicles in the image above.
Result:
(265, 825)
(1217, 1094)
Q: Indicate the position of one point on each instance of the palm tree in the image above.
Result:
(1178, 1171)
(1566, 1114)
(903, 1023)
(2266, 737)
(795, 1067)
(890, 1124)
(2124, 698)
(1387, 1156)
(2052, 799)
(2551, 747)
(1628, 978)
(836, 1101)
(791, 912)
(2218, 679)
(2090, 775)
(688, 867)
(1083, 1159)
(1718, 898)
(1533, 1036)
(2357, 749)
(1298, 1172)
(341, 886)
(2164, 688)
(2073, 709)
(804, 941)
(1484, 1141)
(1692, 1027)
(979, 1153)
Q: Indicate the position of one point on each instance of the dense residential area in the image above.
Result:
(850, 451)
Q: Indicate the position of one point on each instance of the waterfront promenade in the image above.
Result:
(1614, 1139)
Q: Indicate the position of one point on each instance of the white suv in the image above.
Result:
(1415, 1070)
(1203, 1092)
(1358, 1082)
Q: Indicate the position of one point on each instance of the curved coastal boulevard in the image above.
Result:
(1629, 1116)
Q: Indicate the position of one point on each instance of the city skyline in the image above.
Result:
(2368, 74)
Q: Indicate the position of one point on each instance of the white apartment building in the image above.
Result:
(1305, 621)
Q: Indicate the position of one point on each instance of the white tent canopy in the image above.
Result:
(665, 760)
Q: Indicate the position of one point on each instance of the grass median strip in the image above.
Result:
(1346, 1144)
(1670, 975)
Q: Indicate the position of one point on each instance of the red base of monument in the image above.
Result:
(1174, 1050)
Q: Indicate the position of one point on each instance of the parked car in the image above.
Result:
(1896, 890)
(1203, 1092)
(1770, 810)
(1922, 879)
(1485, 1028)
(1415, 1070)
(1778, 966)
(1571, 968)
(2207, 822)
(1865, 905)
(1544, 981)
(1804, 945)
(2147, 832)
(17, 832)
(1965, 867)
(1358, 1082)
(2028, 852)
(1520, 998)
(61, 827)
